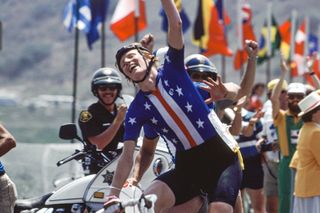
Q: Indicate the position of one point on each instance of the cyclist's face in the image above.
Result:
(133, 65)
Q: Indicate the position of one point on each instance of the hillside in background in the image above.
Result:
(37, 51)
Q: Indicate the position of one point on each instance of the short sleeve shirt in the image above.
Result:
(96, 120)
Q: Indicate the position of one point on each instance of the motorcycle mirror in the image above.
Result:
(69, 132)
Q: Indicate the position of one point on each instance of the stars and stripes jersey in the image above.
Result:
(175, 110)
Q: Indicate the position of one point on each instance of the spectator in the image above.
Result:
(8, 192)
(255, 101)
(306, 186)
(287, 124)
(270, 151)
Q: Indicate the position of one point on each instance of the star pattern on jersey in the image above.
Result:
(179, 91)
(147, 106)
(200, 123)
(167, 59)
(166, 82)
(189, 107)
(154, 121)
(165, 130)
(174, 141)
(132, 121)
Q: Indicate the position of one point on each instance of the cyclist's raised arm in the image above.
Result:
(175, 36)
(249, 75)
(123, 168)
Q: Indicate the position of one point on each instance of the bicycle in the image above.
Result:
(133, 200)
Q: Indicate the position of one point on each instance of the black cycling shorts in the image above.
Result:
(198, 170)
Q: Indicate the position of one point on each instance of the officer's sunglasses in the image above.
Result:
(109, 87)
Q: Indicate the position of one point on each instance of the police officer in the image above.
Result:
(102, 123)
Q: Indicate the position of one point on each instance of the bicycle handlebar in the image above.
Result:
(145, 204)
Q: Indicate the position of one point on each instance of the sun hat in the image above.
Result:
(309, 103)
(274, 82)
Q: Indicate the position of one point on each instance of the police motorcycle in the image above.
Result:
(88, 194)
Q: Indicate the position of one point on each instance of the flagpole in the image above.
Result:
(136, 19)
(223, 68)
(103, 43)
(0, 35)
(75, 66)
(223, 58)
(292, 41)
(240, 35)
(268, 71)
(306, 45)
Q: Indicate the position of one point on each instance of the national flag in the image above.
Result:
(297, 66)
(183, 16)
(316, 70)
(98, 13)
(92, 14)
(275, 39)
(123, 19)
(217, 43)
(247, 34)
(70, 15)
(285, 33)
(313, 44)
(200, 35)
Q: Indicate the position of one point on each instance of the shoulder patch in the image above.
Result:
(85, 116)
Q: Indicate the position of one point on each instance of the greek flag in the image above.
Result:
(70, 15)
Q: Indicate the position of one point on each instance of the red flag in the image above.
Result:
(285, 32)
(123, 19)
(298, 58)
(316, 70)
(217, 43)
(247, 34)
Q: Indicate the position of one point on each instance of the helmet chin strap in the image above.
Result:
(148, 70)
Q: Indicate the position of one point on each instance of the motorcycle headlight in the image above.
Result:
(158, 166)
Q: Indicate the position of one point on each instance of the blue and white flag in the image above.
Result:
(70, 15)
(313, 44)
(98, 13)
(91, 16)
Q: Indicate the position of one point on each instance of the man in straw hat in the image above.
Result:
(287, 124)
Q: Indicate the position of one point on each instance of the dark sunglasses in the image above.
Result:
(105, 88)
(295, 96)
(203, 76)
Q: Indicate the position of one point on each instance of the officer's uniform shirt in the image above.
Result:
(96, 120)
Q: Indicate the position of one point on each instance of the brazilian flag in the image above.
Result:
(275, 40)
